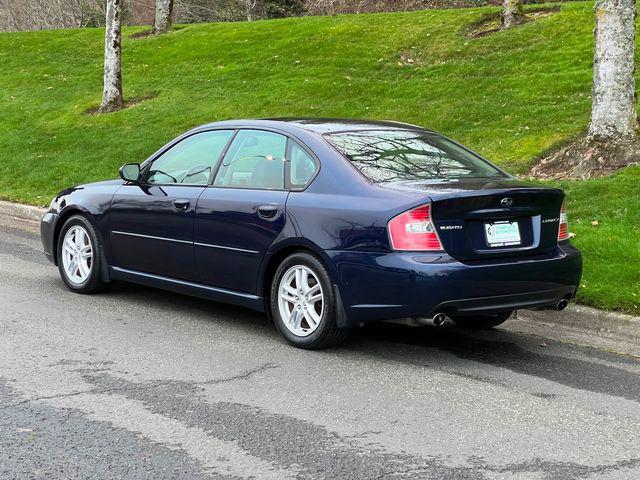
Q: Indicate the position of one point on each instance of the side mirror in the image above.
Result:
(130, 172)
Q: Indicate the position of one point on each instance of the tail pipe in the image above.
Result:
(439, 319)
(562, 304)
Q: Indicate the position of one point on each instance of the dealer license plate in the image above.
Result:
(502, 234)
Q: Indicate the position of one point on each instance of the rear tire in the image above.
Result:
(482, 321)
(303, 304)
(80, 256)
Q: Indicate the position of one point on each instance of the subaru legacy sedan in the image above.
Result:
(323, 224)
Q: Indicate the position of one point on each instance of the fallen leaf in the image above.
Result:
(594, 223)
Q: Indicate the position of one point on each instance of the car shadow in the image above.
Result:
(455, 349)
(449, 348)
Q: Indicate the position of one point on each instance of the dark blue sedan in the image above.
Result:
(323, 224)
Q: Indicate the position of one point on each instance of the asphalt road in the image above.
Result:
(140, 383)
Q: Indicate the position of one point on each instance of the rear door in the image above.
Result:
(240, 215)
(152, 223)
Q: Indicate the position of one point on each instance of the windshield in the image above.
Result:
(396, 155)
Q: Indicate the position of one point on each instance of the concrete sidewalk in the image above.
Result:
(576, 324)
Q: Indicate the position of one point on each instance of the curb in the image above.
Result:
(20, 211)
(575, 317)
(586, 318)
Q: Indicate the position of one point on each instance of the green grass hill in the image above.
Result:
(510, 95)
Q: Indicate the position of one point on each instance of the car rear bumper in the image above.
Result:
(47, 233)
(404, 284)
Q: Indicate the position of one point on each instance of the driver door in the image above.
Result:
(151, 223)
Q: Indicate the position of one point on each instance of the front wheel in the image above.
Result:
(482, 321)
(80, 256)
(303, 303)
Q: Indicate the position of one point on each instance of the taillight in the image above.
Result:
(413, 230)
(563, 231)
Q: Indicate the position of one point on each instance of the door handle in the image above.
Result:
(268, 211)
(181, 204)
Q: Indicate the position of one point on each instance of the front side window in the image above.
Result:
(397, 155)
(255, 159)
(191, 161)
(303, 168)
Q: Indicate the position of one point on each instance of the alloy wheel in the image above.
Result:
(300, 300)
(77, 255)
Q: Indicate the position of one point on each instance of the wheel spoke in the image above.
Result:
(299, 278)
(295, 319)
(310, 319)
(290, 290)
(83, 269)
(315, 298)
(79, 236)
(304, 280)
(311, 313)
(288, 298)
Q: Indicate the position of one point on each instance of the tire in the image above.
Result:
(482, 321)
(88, 274)
(314, 326)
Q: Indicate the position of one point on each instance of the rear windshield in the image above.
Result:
(396, 155)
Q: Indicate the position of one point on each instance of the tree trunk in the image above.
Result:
(112, 92)
(162, 22)
(512, 13)
(613, 110)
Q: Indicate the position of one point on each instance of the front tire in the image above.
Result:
(482, 322)
(303, 304)
(80, 256)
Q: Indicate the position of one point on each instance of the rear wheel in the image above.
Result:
(303, 304)
(80, 256)
(482, 321)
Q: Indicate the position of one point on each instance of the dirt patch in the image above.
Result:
(492, 23)
(588, 158)
(142, 34)
(131, 102)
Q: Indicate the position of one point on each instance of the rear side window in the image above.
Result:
(397, 155)
(303, 168)
(255, 159)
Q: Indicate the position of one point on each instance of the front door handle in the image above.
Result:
(181, 204)
(268, 211)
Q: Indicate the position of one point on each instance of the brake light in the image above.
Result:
(414, 231)
(563, 231)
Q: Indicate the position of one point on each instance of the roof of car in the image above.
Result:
(320, 125)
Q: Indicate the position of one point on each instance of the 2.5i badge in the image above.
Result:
(502, 234)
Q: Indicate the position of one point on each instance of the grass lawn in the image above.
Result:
(510, 96)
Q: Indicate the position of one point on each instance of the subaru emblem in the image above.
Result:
(506, 202)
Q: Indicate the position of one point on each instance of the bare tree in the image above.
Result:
(112, 91)
(249, 8)
(162, 22)
(512, 13)
(613, 111)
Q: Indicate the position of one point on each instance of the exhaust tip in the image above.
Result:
(562, 304)
(439, 319)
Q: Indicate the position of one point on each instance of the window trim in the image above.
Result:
(147, 164)
(287, 166)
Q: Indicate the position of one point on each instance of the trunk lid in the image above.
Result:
(479, 219)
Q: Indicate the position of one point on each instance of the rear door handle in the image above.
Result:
(181, 204)
(268, 211)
